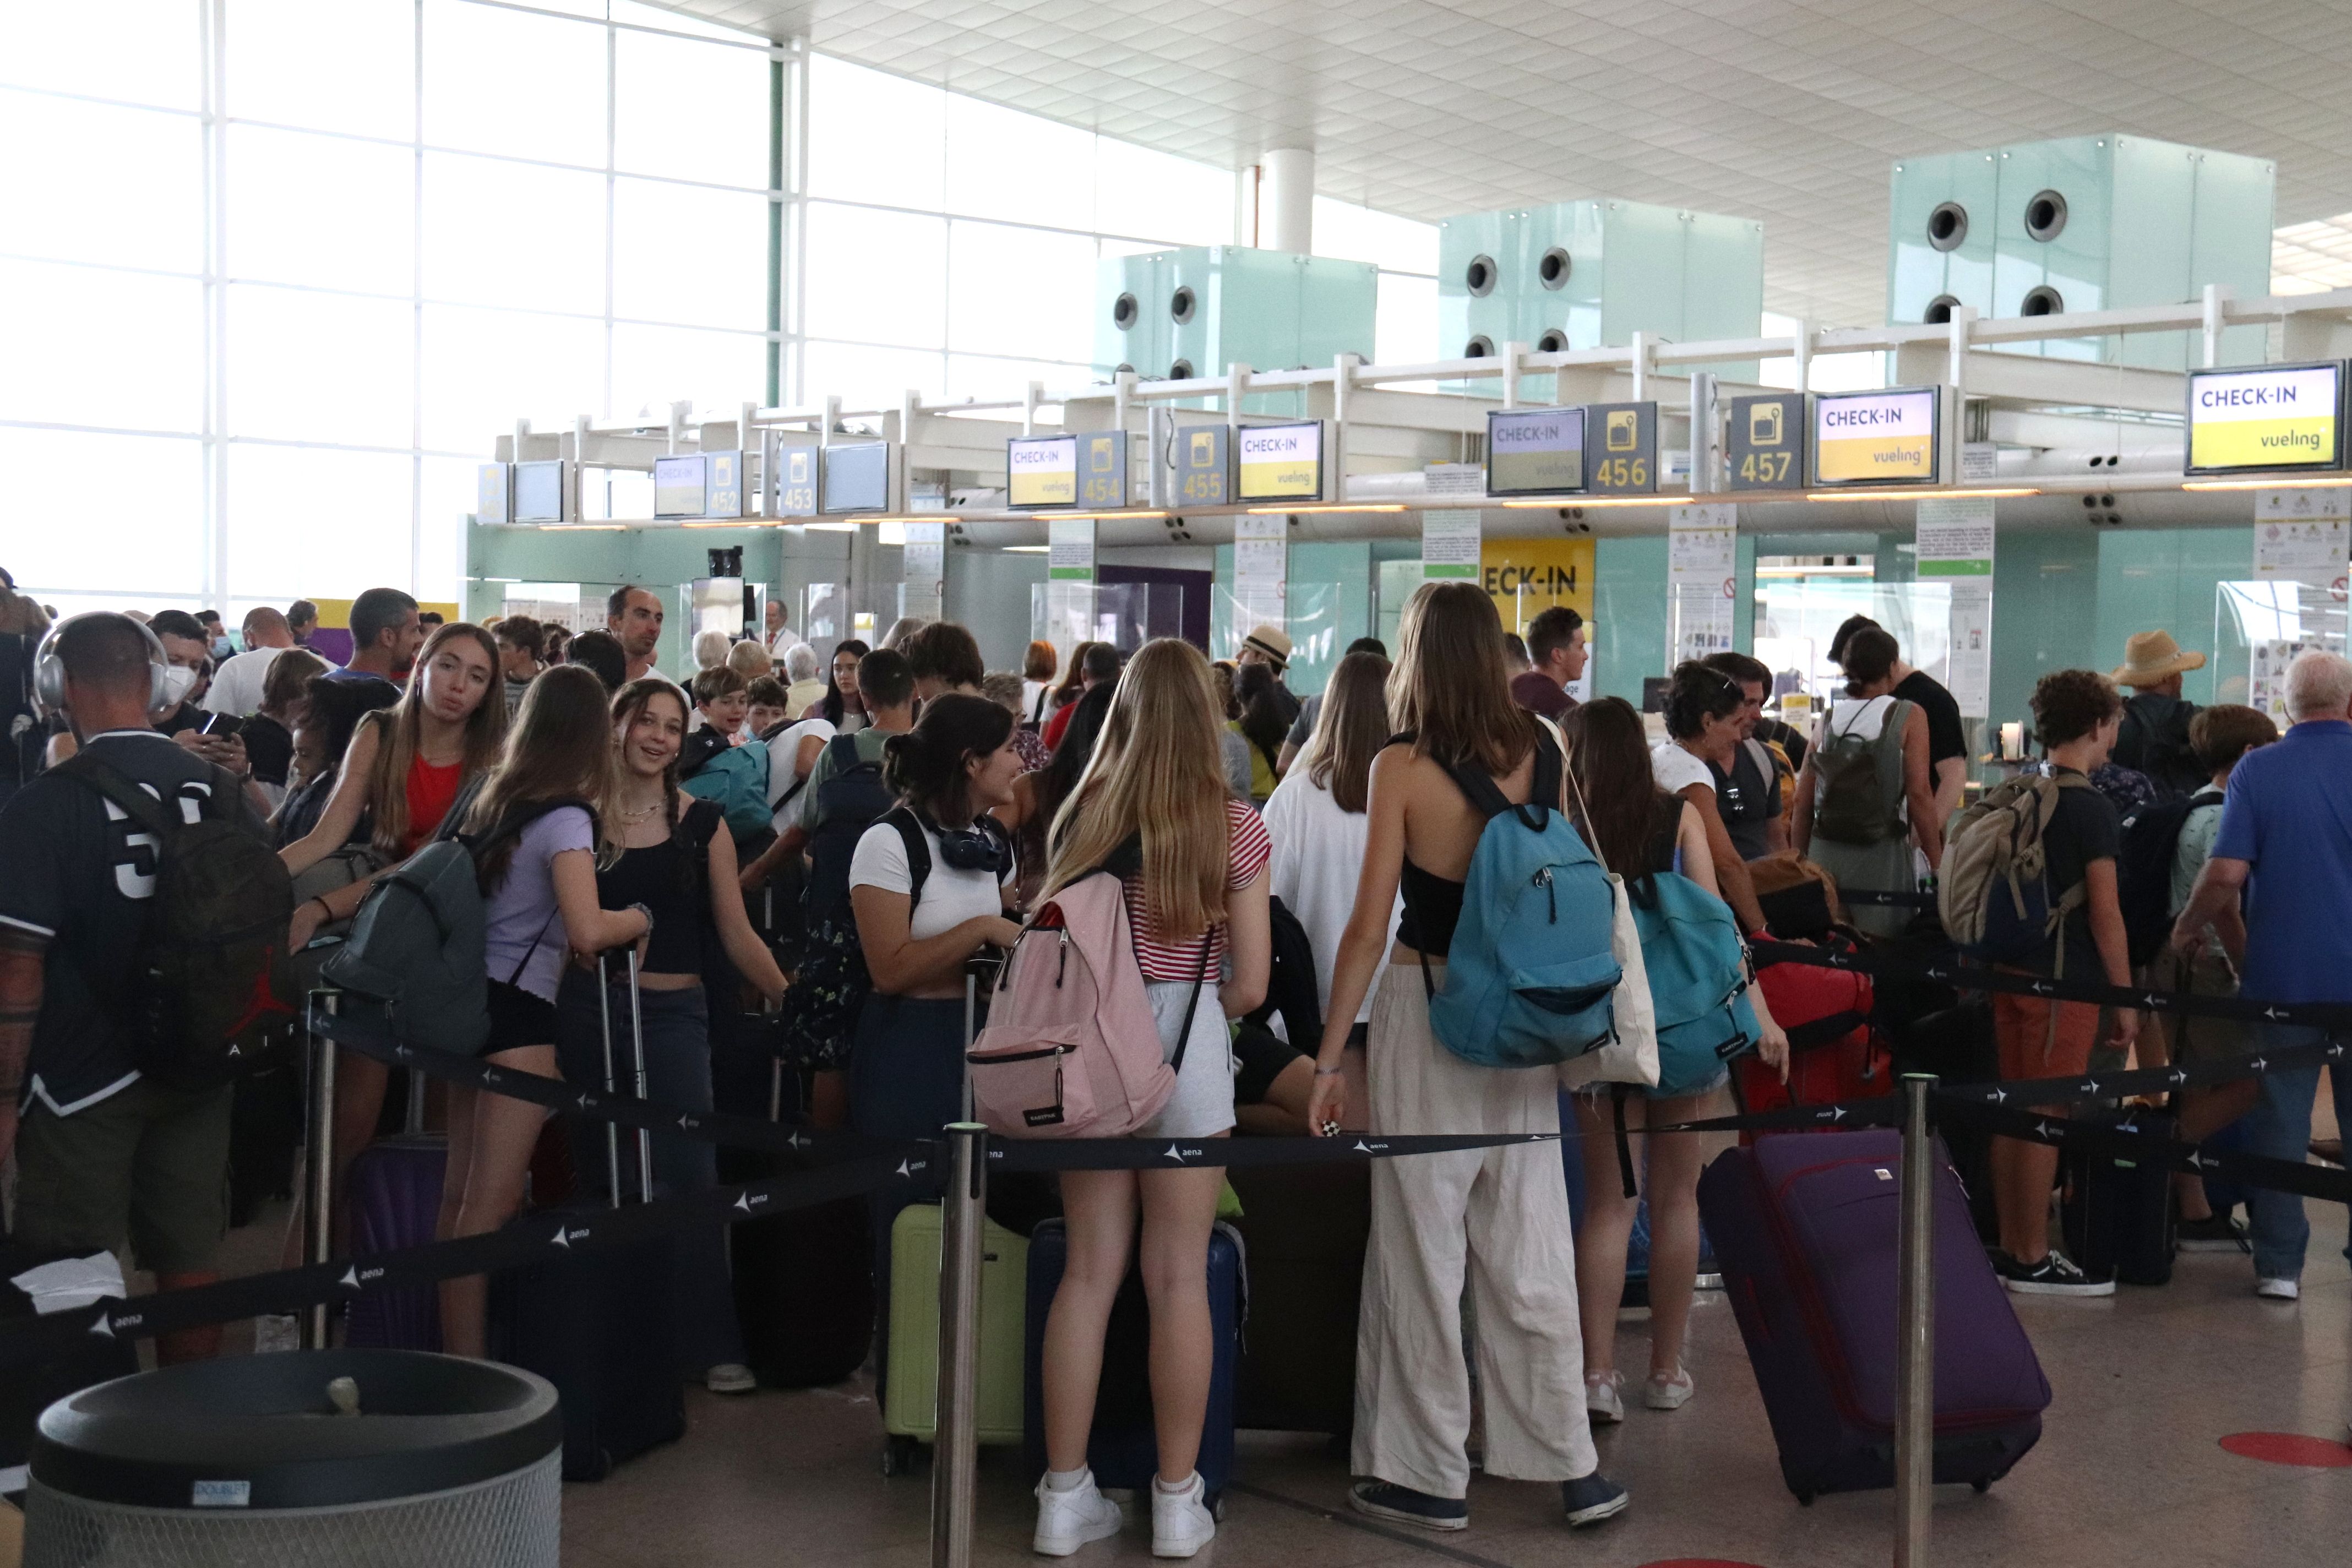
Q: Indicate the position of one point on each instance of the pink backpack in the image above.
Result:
(1072, 1050)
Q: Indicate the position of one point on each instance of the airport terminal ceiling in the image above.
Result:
(1776, 110)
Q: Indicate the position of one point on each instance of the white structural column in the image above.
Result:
(1286, 201)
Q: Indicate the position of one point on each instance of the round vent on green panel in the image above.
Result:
(1553, 269)
(1939, 309)
(1182, 306)
(1479, 347)
(1553, 341)
(1479, 277)
(1124, 312)
(1180, 371)
(2045, 217)
(2043, 300)
(1948, 225)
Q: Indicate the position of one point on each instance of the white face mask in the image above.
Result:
(178, 681)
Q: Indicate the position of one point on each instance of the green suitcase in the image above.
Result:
(910, 1409)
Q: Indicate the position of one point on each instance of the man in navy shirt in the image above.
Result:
(2285, 842)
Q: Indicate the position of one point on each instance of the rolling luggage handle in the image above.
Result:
(638, 1044)
(1914, 1407)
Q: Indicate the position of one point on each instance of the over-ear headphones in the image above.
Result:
(49, 671)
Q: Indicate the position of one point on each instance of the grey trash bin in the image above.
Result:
(249, 1462)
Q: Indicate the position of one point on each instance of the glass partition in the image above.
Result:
(2259, 628)
(824, 610)
(1310, 614)
(1795, 621)
(1124, 614)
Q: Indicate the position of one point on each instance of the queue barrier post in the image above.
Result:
(319, 1161)
(955, 1452)
(1914, 1418)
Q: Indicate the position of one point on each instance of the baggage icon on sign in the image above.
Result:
(1624, 431)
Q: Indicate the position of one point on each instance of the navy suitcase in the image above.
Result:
(1123, 1450)
(395, 1202)
(1805, 1226)
(596, 1324)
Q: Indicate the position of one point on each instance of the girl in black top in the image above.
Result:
(676, 861)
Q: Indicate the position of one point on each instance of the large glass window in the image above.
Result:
(276, 274)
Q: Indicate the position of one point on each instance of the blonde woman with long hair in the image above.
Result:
(1153, 801)
(1500, 1216)
(407, 764)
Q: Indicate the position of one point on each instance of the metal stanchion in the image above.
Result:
(1914, 1414)
(644, 1135)
(319, 1158)
(955, 1446)
(611, 1129)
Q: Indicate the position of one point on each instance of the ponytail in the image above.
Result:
(924, 766)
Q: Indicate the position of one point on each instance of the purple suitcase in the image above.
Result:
(1805, 1225)
(395, 1201)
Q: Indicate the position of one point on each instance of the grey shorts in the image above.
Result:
(1203, 1105)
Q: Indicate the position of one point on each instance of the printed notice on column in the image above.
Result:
(1955, 543)
(1702, 581)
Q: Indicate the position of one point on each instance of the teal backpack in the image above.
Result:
(1531, 975)
(1698, 979)
(736, 779)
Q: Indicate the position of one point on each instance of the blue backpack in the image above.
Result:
(1530, 975)
(736, 779)
(1698, 979)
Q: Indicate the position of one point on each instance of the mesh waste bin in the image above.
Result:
(359, 1458)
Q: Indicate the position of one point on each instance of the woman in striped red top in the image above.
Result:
(1198, 909)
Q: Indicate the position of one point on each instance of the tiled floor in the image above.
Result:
(2128, 1471)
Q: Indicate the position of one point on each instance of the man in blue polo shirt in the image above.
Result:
(2286, 842)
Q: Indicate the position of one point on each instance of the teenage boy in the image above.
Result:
(2220, 737)
(888, 687)
(770, 706)
(2076, 713)
(720, 704)
(1556, 653)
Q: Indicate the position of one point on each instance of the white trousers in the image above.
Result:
(1500, 1217)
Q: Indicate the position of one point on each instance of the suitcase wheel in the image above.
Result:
(1804, 1500)
(1982, 1483)
(898, 1455)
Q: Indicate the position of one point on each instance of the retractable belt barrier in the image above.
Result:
(1887, 898)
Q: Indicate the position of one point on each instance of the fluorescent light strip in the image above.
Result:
(1025, 549)
(1101, 516)
(1288, 511)
(1596, 500)
(1922, 495)
(2279, 482)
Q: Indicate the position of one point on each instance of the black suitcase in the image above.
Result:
(596, 1324)
(2117, 1212)
(1956, 1044)
(1306, 1228)
(27, 1389)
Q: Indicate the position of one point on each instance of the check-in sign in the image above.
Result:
(1875, 438)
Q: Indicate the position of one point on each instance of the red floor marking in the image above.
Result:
(2290, 1449)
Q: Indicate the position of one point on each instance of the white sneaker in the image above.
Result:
(1181, 1521)
(275, 1331)
(731, 1377)
(1068, 1520)
(1666, 1392)
(1602, 1403)
(2278, 1289)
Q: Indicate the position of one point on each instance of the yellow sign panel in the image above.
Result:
(1875, 438)
(1526, 577)
(1042, 471)
(1281, 462)
(2276, 418)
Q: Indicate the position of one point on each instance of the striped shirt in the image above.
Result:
(1248, 851)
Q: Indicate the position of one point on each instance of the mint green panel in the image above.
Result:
(2045, 588)
(1145, 345)
(1644, 249)
(1917, 272)
(1338, 305)
(1337, 574)
(1629, 614)
(2074, 262)
(2155, 210)
(1193, 267)
(2231, 244)
(1723, 285)
(1495, 241)
(2164, 579)
(1575, 308)
(1253, 309)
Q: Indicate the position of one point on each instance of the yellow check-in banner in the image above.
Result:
(1281, 462)
(1874, 436)
(2264, 418)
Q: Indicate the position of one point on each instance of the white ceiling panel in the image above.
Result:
(1786, 110)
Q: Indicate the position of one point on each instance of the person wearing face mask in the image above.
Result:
(407, 766)
(676, 861)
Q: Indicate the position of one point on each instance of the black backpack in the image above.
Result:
(1290, 987)
(2152, 832)
(2160, 748)
(833, 983)
(848, 803)
(210, 980)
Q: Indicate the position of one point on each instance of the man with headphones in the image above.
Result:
(102, 1152)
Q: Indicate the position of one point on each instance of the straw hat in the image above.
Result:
(2153, 657)
(1272, 641)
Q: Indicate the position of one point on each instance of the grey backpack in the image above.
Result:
(413, 964)
(1849, 804)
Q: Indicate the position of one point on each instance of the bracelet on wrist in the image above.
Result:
(1329, 1072)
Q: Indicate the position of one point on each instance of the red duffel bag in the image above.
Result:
(1833, 1054)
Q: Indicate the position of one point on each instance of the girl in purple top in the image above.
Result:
(540, 902)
